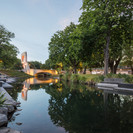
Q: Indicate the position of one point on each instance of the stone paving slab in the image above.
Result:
(114, 80)
(107, 85)
(126, 86)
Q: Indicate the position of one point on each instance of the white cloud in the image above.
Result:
(73, 17)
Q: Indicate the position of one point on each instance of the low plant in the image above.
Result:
(75, 78)
(82, 79)
(2, 99)
(98, 79)
(67, 76)
(60, 76)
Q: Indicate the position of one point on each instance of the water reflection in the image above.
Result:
(65, 107)
(33, 81)
(82, 110)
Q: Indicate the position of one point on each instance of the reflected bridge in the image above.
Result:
(34, 72)
(32, 81)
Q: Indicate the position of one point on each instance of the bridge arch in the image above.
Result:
(33, 72)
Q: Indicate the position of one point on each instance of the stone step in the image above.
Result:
(126, 86)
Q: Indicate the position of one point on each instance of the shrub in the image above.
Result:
(82, 79)
(60, 76)
(98, 79)
(75, 78)
(67, 76)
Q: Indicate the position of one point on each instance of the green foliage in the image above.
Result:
(65, 47)
(127, 59)
(111, 23)
(17, 65)
(8, 52)
(98, 79)
(47, 64)
(60, 76)
(35, 64)
(2, 99)
(83, 110)
(104, 30)
(82, 79)
(67, 76)
(74, 78)
(127, 78)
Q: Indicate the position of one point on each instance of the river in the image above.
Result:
(50, 106)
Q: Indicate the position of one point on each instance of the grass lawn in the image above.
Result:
(15, 73)
(89, 77)
(95, 78)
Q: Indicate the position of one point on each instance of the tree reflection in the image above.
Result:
(82, 110)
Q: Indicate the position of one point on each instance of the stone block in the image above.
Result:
(0, 84)
(3, 110)
(126, 86)
(10, 108)
(10, 102)
(3, 119)
(113, 80)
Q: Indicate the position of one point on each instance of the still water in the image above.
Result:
(49, 106)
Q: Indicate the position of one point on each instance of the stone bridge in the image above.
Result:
(33, 72)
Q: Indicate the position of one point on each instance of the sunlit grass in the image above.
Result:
(14, 73)
(89, 77)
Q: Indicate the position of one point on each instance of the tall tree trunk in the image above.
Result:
(106, 55)
(114, 65)
(111, 65)
(85, 70)
(132, 70)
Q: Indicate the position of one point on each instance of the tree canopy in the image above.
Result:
(8, 52)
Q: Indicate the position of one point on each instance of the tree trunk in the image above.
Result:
(132, 70)
(116, 65)
(106, 55)
(85, 70)
(113, 66)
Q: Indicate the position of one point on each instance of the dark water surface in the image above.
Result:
(64, 107)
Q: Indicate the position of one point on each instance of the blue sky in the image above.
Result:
(35, 21)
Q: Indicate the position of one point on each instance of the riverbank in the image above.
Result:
(92, 79)
(7, 107)
(15, 73)
(7, 104)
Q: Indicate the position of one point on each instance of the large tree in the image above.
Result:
(91, 49)
(8, 52)
(65, 47)
(104, 17)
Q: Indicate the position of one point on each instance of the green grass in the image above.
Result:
(95, 78)
(15, 73)
(89, 77)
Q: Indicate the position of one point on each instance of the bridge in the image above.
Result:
(34, 72)
(32, 81)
